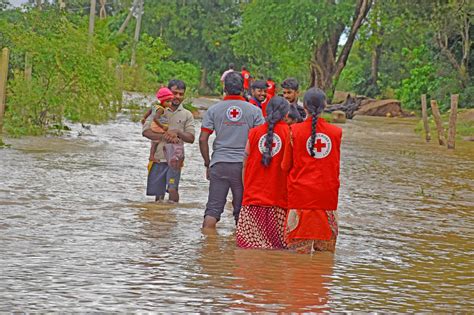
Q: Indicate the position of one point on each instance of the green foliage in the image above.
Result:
(278, 38)
(422, 79)
(198, 32)
(71, 79)
(185, 71)
(4, 4)
(154, 66)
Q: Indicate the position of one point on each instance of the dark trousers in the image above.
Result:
(224, 175)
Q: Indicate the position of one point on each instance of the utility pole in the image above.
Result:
(137, 33)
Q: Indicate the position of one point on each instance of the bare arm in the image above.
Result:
(204, 147)
(287, 162)
(152, 135)
(244, 164)
(157, 117)
(185, 136)
(148, 113)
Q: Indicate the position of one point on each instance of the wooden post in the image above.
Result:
(424, 114)
(28, 67)
(439, 124)
(452, 121)
(3, 86)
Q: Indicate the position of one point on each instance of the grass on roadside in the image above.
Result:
(464, 124)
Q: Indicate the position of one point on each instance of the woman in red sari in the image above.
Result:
(312, 157)
(263, 213)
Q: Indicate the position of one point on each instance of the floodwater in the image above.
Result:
(78, 234)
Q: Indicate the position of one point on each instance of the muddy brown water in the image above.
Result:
(78, 234)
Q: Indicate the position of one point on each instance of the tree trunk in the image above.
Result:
(324, 61)
(102, 12)
(92, 19)
(127, 19)
(137, 33)
(203, 84)
(39, 5)
(460, 64)
(374, 73)
(325, 67)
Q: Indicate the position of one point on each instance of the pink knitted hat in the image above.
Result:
(164, 94)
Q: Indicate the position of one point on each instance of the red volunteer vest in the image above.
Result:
(266, 186)
(246, 76)
(313, 182)
(271, 89)
(262, 105)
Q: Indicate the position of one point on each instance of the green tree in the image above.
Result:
(304, 32)
(68, 81)
(197, 31)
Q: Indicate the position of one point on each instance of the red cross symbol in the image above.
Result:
(234, 113)
(319, 145)
(273, 144)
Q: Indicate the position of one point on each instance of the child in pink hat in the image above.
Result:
(160, 121)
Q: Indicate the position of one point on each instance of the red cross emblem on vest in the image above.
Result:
(322, 146)
(234, 113)
(276, 144)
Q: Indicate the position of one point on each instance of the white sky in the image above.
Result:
(16, 3)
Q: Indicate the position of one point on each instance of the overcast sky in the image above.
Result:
(17, 2)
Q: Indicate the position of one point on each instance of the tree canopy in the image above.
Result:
(378, 48)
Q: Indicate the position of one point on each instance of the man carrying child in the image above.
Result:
(161, 177)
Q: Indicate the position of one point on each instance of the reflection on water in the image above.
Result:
(269, 281)
(78, 234)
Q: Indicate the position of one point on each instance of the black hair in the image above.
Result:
(233, 83)
(269, 79)
(314, 100)
(290, 83)
(178, 83)
(231, 66)
(259, 84)
(243, 68)
(277, 109)
(294, 114)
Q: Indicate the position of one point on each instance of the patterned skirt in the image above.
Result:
(311, 230)
(261, 227)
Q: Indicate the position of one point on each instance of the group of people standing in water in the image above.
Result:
(281, 162)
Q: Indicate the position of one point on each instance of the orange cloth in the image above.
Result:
(307, 225)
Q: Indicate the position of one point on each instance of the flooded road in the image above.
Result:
(78, 234)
